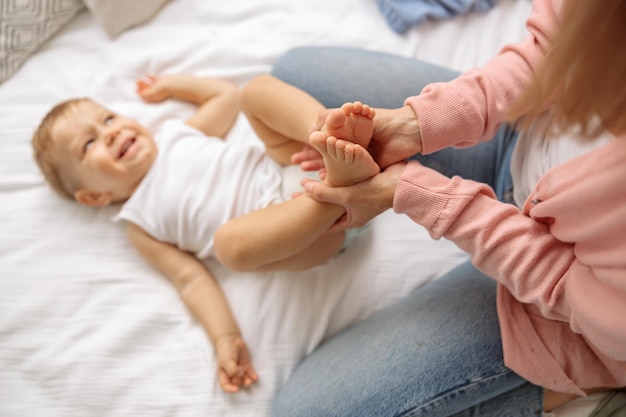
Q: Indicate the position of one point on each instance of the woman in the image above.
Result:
(534, 319)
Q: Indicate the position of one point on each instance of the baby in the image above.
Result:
(187, 195)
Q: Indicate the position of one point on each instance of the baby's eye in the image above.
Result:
(87, 145)
(109, 119)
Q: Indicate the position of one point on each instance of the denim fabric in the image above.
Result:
(438, 352)
(337, 75)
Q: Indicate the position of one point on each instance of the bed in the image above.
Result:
(87, 328)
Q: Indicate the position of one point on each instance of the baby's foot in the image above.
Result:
(352, 121)
(346, 163)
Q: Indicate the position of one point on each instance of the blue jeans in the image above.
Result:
(439, 351)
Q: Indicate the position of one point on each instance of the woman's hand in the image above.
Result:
(396, 136)
(362, 201)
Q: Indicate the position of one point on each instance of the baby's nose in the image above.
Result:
(110, 135)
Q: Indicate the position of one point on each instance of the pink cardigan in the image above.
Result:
(561, 261)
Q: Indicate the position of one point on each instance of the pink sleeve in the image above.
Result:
(523, 254)
(470, 108)
(502, 241)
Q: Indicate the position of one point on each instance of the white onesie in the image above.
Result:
(196, 184)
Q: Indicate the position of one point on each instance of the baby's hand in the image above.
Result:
(153, 89)
(310, 159)
(235, 370)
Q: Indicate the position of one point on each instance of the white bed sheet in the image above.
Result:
(87, 328)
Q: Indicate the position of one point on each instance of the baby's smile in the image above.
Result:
(125, 147)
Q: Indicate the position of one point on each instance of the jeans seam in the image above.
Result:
(413, 411)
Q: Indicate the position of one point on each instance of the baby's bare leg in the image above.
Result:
(280, 236)
(346, 163)
(280, 114)
(319, 252)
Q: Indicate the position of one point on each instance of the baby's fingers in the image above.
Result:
(151, 90)
(145, 82)
(250, 377)
(225, 382)
(230, 367)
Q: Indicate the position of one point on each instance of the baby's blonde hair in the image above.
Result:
(43, 144)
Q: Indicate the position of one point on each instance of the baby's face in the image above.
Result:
(103, 152)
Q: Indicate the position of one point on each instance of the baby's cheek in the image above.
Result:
(105, 167)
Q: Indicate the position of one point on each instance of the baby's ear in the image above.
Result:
(92, 198)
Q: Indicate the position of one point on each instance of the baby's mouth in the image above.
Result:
(125, 147)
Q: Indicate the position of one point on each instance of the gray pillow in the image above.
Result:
(115, 16)
(26, 25)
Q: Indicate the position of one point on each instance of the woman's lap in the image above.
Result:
(436, 353)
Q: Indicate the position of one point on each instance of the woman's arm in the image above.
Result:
(553, 256)
(203, 296)
(469, 109)
(461, 112)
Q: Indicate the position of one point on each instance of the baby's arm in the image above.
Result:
(218, 100)
(203, 296)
